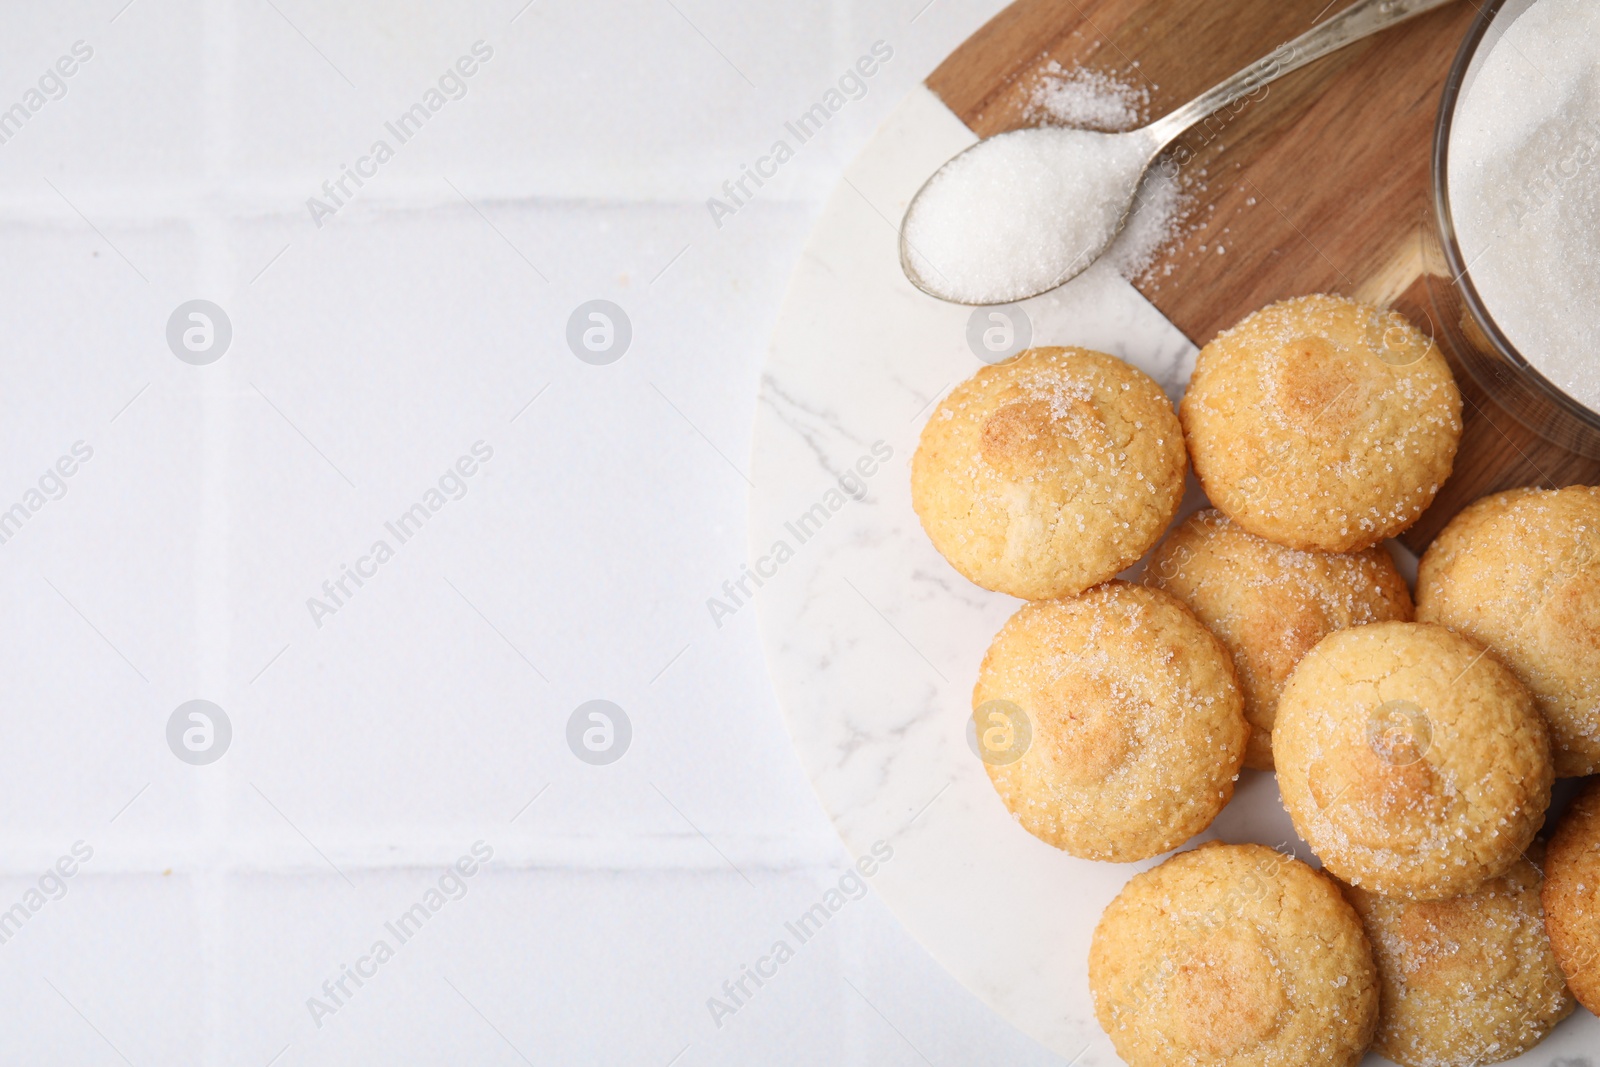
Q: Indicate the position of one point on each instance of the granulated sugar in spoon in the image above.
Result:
(1023, 212)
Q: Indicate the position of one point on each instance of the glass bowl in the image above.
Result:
(1485, 351)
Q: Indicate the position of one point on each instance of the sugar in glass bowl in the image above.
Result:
(1515, 270)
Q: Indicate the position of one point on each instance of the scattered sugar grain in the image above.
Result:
(1087, 99)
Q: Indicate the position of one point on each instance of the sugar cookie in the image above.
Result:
(1137, 728)
(1270, 605)
(1237, 955)
(1049, 473)
(1468, 980)
(1411, 761)
(1519, 572)
(1572, 895)
(1322, 424)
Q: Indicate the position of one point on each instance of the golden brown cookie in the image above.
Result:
(1322, 424)
(1110, 723)
(1236, 955)
(1049, 473)
(1520, 573)
(1411, 761)
(1469, 980)
(1271, 604)
(1572, 895)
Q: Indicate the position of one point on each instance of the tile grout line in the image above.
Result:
(213, 280)
(125, 206)
(359, 852)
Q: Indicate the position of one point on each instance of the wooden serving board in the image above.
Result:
(1321, 185)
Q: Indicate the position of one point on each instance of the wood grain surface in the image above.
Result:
(1321, 184)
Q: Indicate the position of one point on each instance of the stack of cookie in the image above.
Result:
(1415, 743)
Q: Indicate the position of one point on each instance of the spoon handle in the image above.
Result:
(1359, 20)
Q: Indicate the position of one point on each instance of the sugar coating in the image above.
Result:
(1525, 189)
(1322, 424)
(1427, 820)
(1519, 572)
(1233, 954)
(1270, 605)
(1049, 473)
(1138, 730)
(1021, 211)
(1571, 896)
(1467, 981)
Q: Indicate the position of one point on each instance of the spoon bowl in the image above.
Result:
(1022, 212)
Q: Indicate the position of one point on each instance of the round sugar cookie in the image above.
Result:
(1270, 605)
(1237, 955)
(1572, 895)
(1049, 473)
(1519, 572)
(1411, 761)
(1322, 424)
(1469, 980)
(1132, 730)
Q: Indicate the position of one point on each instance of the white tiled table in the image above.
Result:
(371, 752)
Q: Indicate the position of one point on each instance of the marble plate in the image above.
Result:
(873, 641)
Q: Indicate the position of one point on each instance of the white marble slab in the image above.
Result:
(874, 641)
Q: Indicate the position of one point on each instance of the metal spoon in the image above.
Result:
(1360, 20)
